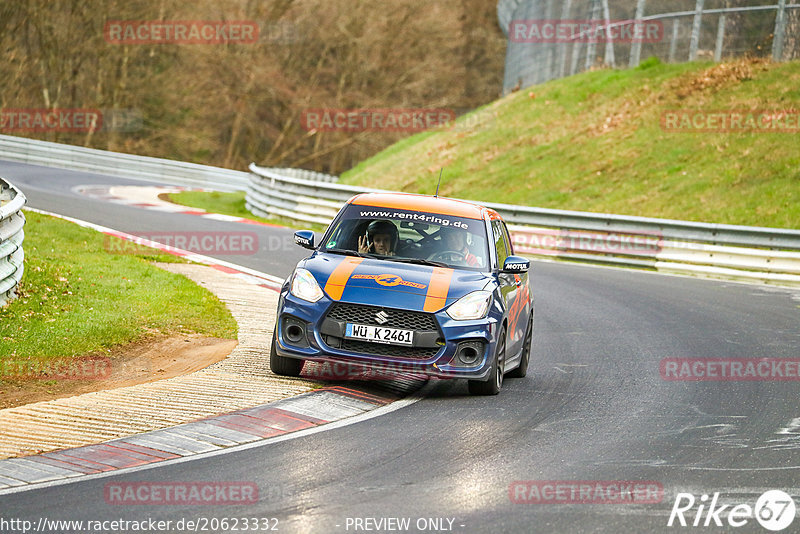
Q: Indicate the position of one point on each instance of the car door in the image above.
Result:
(507, 283)
(515, 290)
(522, 309)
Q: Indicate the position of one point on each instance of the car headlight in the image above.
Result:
(305, 286)
(472, 306)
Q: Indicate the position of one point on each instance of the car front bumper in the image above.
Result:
(304, 331)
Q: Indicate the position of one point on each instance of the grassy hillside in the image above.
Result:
(594, 142)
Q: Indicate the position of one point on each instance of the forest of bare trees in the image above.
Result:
(230, 104)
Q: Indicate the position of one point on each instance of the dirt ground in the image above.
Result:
(136, 363)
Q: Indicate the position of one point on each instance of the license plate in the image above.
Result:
(379, 334)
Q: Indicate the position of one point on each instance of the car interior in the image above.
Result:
(416, 240)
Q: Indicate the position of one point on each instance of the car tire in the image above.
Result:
(522, 370)
(495, 382)
(281, 365)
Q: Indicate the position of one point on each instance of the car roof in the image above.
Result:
(425, 203)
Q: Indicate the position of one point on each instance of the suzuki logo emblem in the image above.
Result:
(382, 317)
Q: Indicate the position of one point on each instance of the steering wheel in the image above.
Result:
(448, 256)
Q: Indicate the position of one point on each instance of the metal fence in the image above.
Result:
(686, 30)
(769, 255)
(77, 158)
(12, 256)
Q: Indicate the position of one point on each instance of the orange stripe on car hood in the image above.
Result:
(437, 289)
(334, 287)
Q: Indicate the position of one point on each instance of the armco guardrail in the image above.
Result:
(711, 250)
(118, 164)
(11, 235)
(304, 174)
(272, 193)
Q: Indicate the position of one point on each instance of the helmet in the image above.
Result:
(446, 232)
(383, 227)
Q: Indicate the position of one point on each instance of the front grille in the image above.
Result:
(396, 351)
(361, 314)
(421, 323)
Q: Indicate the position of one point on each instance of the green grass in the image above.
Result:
(217, 202)
(232, 204)
(77, 298)
(594, 142)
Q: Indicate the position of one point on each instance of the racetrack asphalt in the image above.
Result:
(593, 408)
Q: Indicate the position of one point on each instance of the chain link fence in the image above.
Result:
(549, 39)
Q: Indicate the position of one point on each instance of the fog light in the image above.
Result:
(469, 353)
(294, 331)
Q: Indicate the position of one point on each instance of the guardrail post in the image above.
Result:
(698, 19)
(673, 44)
(591, 47)
(720, 38)
(549, 51)
(576, 54)
(610, 58)
(780, 30)
(562, 50)
(636, 46)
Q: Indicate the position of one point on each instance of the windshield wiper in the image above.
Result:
(345, 251)
(418, 261)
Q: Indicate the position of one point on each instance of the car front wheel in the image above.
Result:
(495, 382)
(281, 365)
(522, 370)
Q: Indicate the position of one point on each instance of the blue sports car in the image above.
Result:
(416, 282)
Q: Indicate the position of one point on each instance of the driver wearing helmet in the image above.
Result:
(456, 241)
(381, 238)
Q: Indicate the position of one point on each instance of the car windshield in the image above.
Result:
(410, 236)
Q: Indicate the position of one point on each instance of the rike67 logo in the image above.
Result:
(774, 510)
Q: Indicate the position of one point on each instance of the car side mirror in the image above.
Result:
(516, 264)
(304, 238)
